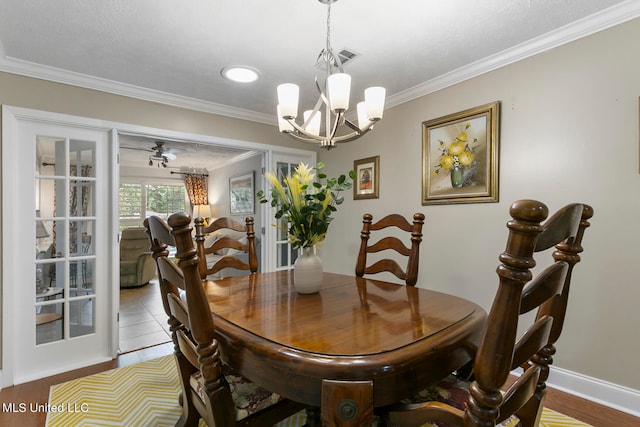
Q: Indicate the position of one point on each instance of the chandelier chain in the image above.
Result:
(328, 27)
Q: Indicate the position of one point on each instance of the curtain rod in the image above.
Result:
(190, 173)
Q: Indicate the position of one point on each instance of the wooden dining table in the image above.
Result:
(355, 345)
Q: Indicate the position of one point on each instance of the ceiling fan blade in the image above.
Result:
(139, 149)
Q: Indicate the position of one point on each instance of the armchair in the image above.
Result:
(137, 266)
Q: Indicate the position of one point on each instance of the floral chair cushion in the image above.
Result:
(248, 397)
(452, 391)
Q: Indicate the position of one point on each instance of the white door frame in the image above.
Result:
(10, 114)
(270, 250)
(18, 261)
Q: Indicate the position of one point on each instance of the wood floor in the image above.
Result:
(37, 392)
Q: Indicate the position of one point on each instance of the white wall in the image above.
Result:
(569, 133)
(219, 187)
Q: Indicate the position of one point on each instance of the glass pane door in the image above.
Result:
(286, 254)
(57, 276)
(65, 224)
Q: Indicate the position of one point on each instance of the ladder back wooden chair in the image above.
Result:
(391, 243)
(486, 400)
(225, 243)
(211, 389)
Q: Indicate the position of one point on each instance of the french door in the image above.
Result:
(281, 255)
(56, 278)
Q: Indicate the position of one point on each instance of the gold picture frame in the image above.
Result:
(460, 157)
(367, 183)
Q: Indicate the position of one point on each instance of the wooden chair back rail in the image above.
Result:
(389, 243)
(500, 349)
(410, 273)
(160, 239)
(197, 343)
(225, 242)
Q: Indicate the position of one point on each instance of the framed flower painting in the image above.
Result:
(366, 184)
(460, 157)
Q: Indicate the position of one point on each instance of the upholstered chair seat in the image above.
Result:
(452, 391)
(248, 397)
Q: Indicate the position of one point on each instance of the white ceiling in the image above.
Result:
(172, 52)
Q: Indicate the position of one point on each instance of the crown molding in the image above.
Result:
(29, 69)
(608, 18)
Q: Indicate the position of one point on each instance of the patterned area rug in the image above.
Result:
(145, 395)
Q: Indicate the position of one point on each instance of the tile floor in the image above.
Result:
(143, 322)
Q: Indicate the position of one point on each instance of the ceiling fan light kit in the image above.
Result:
(334, 94)
(161, 155)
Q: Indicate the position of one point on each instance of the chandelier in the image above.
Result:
(334, 94)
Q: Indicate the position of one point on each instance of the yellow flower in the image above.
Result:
(456, 148)
(303, 172)
(295, 188)
(275, 182)
(466, 158)
(462, 137)
(446, 161)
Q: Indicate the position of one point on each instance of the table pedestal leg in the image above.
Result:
(347, 403)
(313, 418)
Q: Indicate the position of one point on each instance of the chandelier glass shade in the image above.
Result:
(334, 95)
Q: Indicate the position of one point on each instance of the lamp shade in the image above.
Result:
(41, 232)
(339, 88)
(313, 125)
(201, 211)
(374, 97)
(363, 119)
(288, 99)
(283, 125)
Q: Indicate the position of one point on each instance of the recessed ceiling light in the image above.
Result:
(240, 74)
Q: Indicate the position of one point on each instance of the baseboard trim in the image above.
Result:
(615, 396)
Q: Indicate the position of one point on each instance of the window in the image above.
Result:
(164, 200)
(140, 200)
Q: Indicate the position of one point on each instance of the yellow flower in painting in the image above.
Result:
(456, 148)
(466, 158)
(462, 137)
(446, 161)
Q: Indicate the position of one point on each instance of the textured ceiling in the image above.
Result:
(172, 52)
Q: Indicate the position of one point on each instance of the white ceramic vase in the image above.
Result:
(307, 272)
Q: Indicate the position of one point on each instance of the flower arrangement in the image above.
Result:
(458, 154)
(306, 203)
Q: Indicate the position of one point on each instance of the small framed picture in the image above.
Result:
(367, 178)
(460, 157)
(241, 194)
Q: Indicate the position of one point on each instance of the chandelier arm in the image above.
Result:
(337, 122)
(323, 98)
(300, 138)
(299, 130)
(357, 128)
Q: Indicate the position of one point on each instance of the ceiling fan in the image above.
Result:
(160, 154)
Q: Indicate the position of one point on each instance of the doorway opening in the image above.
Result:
(152, 182)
